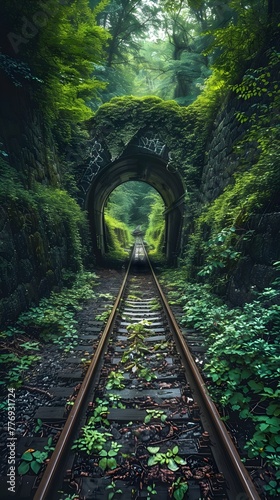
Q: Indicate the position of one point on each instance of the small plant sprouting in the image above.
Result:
(155, 414)
(171, 459)
(115, 380)
(113, 490)
(151, 489)
(39, 425)
(115, 401)
(107, 460)
(32, 460)
(91, 441)
(179, 488)
(104, 315)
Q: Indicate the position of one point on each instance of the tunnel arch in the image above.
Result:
(145, 159)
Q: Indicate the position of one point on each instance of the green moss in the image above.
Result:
(154, 235)
(44, 214)
(180, 128)
(118, 239)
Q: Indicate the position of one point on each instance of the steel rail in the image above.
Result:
(46, 485)
(244, 488)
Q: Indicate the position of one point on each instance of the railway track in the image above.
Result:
(143, 425)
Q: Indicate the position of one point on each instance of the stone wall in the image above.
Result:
(30, 260)
(26, 137)
(255, 269)
(221, 159)
(33, 249)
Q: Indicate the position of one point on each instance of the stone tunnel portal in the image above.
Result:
(146, 168)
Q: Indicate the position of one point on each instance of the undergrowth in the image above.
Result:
(242, 360)
(53, 320)
(118, 239)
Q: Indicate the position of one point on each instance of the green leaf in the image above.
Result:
(112, 453)
(256, 387)
(23, 468)
(172, 465)
(152, 460)
(103, 453)
(153, 449)
(179, 492)
(27, 456)
(268, 390)
(103, 463)
(270, 448)
(35, 466)
(273, 409)
(180, 460)
(244, 413)
(112, 463)
(175, 450)
(264, 426)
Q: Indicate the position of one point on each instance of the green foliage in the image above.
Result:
(52, 320)
(131, 203)
(92, 440)
(108, 460)
(56, 205)
(151, 489)
(256, 181)
(179, 488)
(104, 315)
(220, 252)
(242, 357)
(179, 126)
(113, 490)
(60, 51)
(133, 356)
(118, 238)
(14, 367)
(239, 40)
(170, 458)
(115, 380)
(155, 415)
(155, 232)
(42, 211)
(32, 460)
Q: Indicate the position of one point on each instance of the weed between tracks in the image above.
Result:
(150, 455)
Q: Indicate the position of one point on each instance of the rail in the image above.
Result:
(227, 458)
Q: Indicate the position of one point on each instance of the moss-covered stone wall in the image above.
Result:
(235, 239)
(41, 226)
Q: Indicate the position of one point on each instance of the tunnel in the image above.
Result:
(141, 161)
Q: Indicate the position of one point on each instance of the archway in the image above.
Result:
(145, 169)
(146, 160)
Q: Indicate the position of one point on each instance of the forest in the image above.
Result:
(117, 67)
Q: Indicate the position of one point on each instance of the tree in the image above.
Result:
(131, 203)
(59, 42)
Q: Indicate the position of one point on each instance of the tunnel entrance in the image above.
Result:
(145, 159)
(140, 207)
